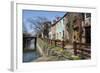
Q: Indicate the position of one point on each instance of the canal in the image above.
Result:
(30, 56)
(30, 49)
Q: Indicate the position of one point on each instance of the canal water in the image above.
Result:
(30, 56)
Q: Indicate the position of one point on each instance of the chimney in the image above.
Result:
(57, 18)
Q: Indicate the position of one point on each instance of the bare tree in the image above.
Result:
(39, 24)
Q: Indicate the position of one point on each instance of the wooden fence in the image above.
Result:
(80, 49)
(84, 50)
(56, 43)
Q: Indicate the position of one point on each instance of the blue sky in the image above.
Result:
(50, 15)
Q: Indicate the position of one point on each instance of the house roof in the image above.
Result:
(58, 20)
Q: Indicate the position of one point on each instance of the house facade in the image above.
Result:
(71, 27)
(68, 26)
(81, 27)
(52, 32)
(59, 30)
(87, 28)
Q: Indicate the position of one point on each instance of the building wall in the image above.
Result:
(66, 34)
(52, 32)
(59, 30)
(70, 27)
(87, 28)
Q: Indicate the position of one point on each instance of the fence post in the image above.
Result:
(63, 40)
(63, 44)
(55, 42)
(75, 48)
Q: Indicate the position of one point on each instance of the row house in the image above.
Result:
(82, 27)
(82, 35)
(68, 22)
(77, 27)
(71, 27)
(56, 32)
(58, 29)
(87, 28)
(52, 31)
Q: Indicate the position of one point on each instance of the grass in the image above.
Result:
(75, 57)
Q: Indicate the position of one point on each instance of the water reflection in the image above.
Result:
(30, 56)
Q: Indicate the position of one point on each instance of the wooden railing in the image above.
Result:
(83, 50)
(80, 49)
(57, 43)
